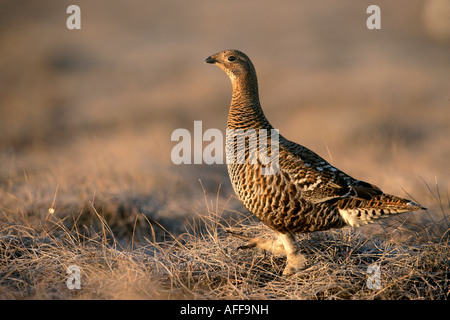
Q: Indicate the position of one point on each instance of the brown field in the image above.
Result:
(86, 116)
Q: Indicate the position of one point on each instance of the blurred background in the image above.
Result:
(86, 115)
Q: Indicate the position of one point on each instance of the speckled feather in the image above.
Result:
(307, 193)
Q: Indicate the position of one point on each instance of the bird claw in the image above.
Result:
(247, 246)
(251, 244)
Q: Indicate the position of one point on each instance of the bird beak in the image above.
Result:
(210, 59)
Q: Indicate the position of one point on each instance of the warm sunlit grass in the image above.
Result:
(204, 263)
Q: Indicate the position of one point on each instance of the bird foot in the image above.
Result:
(285, 245)
(295, 263)
(274, 246)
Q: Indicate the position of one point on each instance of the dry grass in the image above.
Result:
(204, 263)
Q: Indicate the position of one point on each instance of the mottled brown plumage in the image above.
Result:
(306, 193)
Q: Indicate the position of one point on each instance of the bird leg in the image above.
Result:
(295, 260)
(285, 245)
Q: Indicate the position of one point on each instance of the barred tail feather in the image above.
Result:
(380, 207)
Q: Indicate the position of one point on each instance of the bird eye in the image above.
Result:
(231, 58)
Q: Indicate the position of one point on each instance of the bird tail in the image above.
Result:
(357, 213)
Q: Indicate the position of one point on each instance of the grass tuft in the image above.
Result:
(204, 263)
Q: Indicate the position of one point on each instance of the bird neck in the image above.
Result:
(245, 109)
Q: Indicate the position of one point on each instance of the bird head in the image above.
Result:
(234, 63)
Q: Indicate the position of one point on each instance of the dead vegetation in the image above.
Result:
(204, 263)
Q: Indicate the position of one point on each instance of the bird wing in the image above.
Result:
(317, 179)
